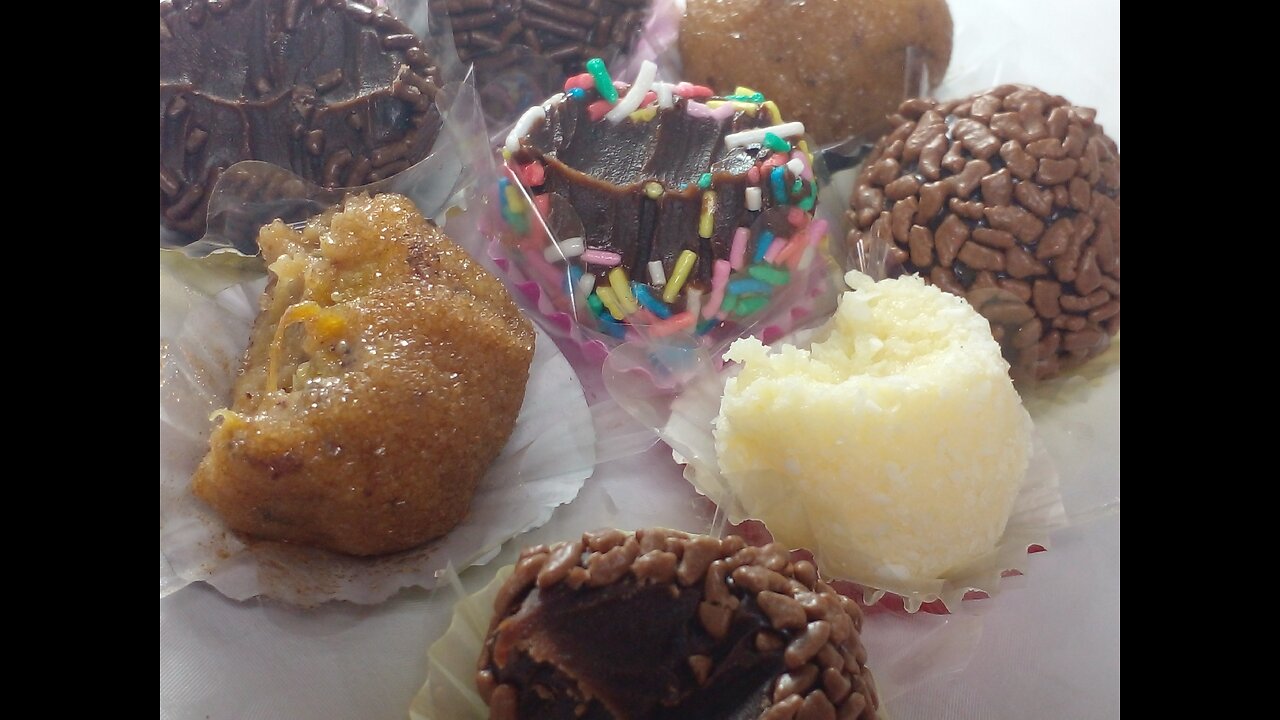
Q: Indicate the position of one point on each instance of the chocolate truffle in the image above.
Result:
(670, 208)
(839, 66)
(335, 91)
(1011, 199)
(663, 624)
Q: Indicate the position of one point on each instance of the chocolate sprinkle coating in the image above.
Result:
(663, 624)
(567, 33)
(1011, 199)
(338, 92)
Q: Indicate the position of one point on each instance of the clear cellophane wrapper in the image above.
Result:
(542, 287)
(524, 228)
(514, 69)
(203, 335)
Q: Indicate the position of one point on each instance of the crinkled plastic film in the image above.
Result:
(250, 194)
(505, 43)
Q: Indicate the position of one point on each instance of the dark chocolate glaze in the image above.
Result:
(602, 167)
(627, 639)
(334, 91)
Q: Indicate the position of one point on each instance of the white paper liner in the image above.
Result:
(449, 692)
(684, 420)
(903, 651)
(203, 336)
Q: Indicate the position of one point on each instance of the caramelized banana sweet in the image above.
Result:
(384, 375)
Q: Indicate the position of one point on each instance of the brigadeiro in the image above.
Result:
(1011, 199)
(337, 92)
(663, 624)
(670, 209)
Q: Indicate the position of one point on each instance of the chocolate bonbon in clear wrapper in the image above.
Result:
(656, 210)
(340, 93)
(1011, 199)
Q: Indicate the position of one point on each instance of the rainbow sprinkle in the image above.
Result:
(601, 257)
(650, 303)
(604, 83)
(749, 305)
(771, 275)
(762, 246)
(611, 302)
(679, 274)
(778, 179)
(621, 286)
(749, 286)
(707, 218)
(776, 144)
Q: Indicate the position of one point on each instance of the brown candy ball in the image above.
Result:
(1011, 199)
(838, 66)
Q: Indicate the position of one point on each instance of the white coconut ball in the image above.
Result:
(893, 448)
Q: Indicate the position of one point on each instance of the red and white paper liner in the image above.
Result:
(203, 335)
